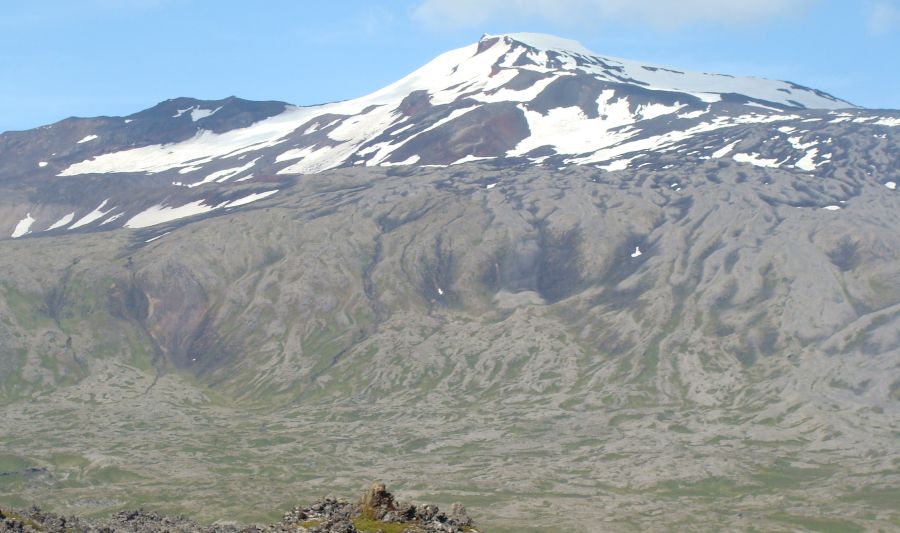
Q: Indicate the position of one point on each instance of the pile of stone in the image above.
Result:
(36, 520)
(333, 515)
(376, 511)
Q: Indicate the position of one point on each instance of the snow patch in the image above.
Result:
(412, 160)
(525, 95)
(798, 145)
(470, 158)
(161, 213)
(23, 227)
(89, 138)
(94, 215)
(755, 159)
(157, 237)
(249, 199)
(768, 108)
(722, 152)
(201, 149)
(832, 208)
(224, 175)
(656, 143)
(888, 121)
(892, 185)
(112, 219)
(568, 130)
(619, 164)
(808, 162)
(637, 252)
(42, 164)
(694, 114)
(64, 221)
(315, 160)
(455, 114)
(198, 113)
(401, 130)
(651, 111)
(544, 42)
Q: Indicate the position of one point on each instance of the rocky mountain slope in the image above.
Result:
(656, 300)
(512, 99)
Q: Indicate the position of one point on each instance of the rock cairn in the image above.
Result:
(378, 506)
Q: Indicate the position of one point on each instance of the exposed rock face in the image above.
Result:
(377, 497)
(329, 515)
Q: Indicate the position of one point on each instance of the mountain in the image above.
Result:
(513, 99)
(567, 289)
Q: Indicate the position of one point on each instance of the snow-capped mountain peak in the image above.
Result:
(522, 98)
(548, 51)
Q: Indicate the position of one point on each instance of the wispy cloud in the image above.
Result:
(658, 13)
(375, 20)
(883, 17)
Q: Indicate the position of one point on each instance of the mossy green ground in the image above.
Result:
(369, 525)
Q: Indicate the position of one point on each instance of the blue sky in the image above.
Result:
(60, 58)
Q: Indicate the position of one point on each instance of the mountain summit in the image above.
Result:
(511, 99)
(546, 53)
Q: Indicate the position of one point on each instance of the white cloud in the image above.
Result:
(883, 17)
(659, 13)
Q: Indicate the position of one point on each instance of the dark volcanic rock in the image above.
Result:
(330, 515)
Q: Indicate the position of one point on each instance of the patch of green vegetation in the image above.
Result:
(24, 307)
(624, 417)
(784, 476)
(272, 441)
(326, 346)
(142, 355)
(69, 460)
(370, 525)
(310, 523)
(823, 525)
(881, 497)
(13, 385)
(12, 463)
(8, 501)
(24, 520)
(713, 487)
(650, 359)
(895, 391)
(113, 474)
(793, 443)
